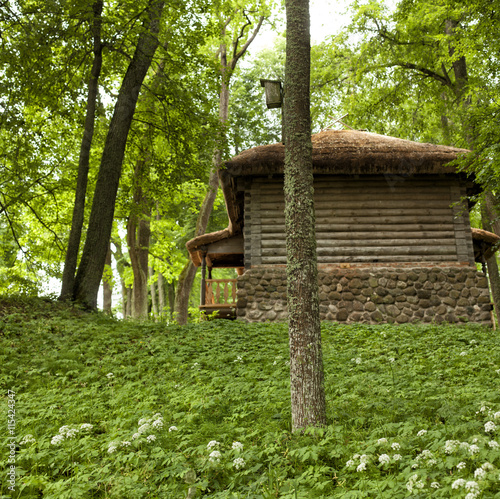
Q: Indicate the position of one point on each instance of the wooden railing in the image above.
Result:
(220, 292)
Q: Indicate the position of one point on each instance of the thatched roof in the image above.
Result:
(335, 152)
(352, 152)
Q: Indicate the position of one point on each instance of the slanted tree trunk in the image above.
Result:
(75, 234)
(227, 68)
(91, 266)
(306, 362)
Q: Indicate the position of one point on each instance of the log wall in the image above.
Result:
(365, 220)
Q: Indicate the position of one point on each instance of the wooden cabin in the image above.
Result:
(394, 241)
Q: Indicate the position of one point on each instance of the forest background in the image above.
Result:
(185, 77)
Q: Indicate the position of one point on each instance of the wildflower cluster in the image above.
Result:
(66, 433)
(215, 455)
(147, 425)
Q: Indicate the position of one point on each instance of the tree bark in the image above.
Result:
(306, 361)
(75, 235)
(91, 266)
(138, 237)
(154, 296)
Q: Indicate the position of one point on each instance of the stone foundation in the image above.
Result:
(373, 295)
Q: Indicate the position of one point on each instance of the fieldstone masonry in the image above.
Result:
(373, 295)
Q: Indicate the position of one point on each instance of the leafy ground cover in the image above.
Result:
(106, 408)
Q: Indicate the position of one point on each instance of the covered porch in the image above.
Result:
(217, 250)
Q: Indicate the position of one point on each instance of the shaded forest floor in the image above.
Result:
(121, 409)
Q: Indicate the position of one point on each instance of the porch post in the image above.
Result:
(203, 274)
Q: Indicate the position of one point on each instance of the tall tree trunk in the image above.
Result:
(75, 234)
(306, 361)
(101, 216)
(154, 296)
(188, 273)
(107, 288)
(138, 236)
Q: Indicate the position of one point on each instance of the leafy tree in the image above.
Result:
(304, 329)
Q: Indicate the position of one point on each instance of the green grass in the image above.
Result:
(228, 382)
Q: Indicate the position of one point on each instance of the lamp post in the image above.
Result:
(274, 99)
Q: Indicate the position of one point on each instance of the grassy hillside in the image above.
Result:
(114, 409)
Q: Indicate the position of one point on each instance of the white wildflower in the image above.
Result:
(435, 485)
(239, 358)
(450, 446)
(86, 426)
(135, 436)
(480, 474)
(349, 463)
(431, 462)
(358, 360)
(142, 421)
(464, 445)
(212, 443)
(215, 456)
(414, 466)
(157, 416)
(237, 446)
(158, 424)
(472, 495)
(57, 439)
(472, 342)
(125, 443)
(173, 428)
(493, 444)
(196, 364)
(463, 354)
(474, 449)
(151, 438)
(461, 466)
(27, 439)
(395, 446)
(143, 428)
(361, 467)
(421, 433)
(364, 458)
(458, 483)
(384, 459)
(496, 415)
(397, 457)
(392, 359)
(381, 441)
(472, 486)
(490, 427)
(110, 375)
(239, 463)
(112, 447)
(488, 467)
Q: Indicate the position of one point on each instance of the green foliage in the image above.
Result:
(168, 405)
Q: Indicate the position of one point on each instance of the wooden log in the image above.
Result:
(281, 260)
(370, 243)
(373, 235)
(375, 251)
(349, 229)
